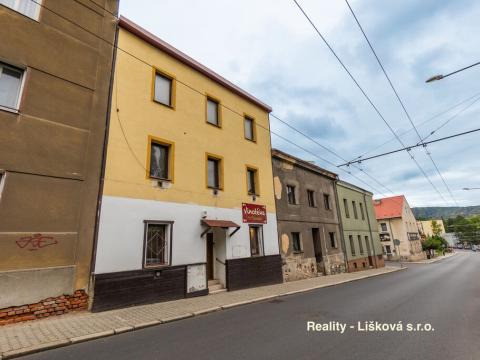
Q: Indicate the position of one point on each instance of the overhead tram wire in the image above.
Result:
(401, 102)
(408, 148)
(477, 95)
(447, 121)
(201, 93)
(368, 98)
(331, 152)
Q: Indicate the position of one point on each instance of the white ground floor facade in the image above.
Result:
(193, 250)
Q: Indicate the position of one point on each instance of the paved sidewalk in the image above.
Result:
(429, 261)
(23, 338)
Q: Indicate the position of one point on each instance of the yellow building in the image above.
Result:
(187, 205)
(425, 227)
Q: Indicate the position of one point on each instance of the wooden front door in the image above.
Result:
(210, 258)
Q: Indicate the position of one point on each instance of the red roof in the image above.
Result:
(220, 223)
(390, 207)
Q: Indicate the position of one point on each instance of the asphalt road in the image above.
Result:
(445, 295)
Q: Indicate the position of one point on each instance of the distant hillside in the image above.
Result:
(445, 212)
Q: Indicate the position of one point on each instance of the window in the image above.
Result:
(2, 182)
(361, 211)
(326, 201)
(213, 113)
(214, 172)
(296, 242)
(355, 214)
(360, 244)
(291, 199)
(256, 240)
(160, 159)
(345, 206)
(25, 7)
(333, 240)
(163, 89)
(388, 250)
(383, 226)
(352, 245)
(157, 243)
(10, 86)
(311, 198)
(252, 181)
(249, 128)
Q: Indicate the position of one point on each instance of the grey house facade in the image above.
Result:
(307, 216)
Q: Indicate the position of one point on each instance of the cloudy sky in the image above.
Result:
(268, 48)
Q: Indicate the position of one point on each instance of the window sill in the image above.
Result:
(171, 107)
(251, 140)
(9, 110)
(219, 126)
(156, 267)
(214, 188)
(160, 179)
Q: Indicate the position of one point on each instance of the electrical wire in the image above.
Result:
(223, 105)
(401, 102)
(367, 97)
(420, 124)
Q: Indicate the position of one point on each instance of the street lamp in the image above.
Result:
(440, 77)
(471, 189)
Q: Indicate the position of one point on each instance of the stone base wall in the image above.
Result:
(358, 264)
(48, 307)
(334, 264)
(296, 267)
(380, 261)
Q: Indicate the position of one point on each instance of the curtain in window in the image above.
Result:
(159, 161)
(163, 88)
(249, 129)
(213, 180)
(212, 112)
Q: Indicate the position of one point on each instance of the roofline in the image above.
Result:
(155, 41)
(304, 164)
(354, 187)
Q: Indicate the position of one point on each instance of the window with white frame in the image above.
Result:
(213, 112)
(157, 243)
(249, 129)
(10, 86)
(163, 89)
(2, 182)
(256, 240)
(26, 7)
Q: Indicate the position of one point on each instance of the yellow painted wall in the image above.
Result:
(185, 126)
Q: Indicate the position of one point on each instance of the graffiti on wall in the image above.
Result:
(36, 242)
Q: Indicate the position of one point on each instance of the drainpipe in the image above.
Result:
(342, 235)
(393, 238)
(104, 160)
(370, 229)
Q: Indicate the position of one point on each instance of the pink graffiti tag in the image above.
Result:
(36, 242)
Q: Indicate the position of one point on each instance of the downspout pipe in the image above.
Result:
(370, 229)
(340, 223)
(104, 157)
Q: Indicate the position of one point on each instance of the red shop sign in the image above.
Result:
(252, 213)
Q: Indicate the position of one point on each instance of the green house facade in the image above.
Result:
(361, 241)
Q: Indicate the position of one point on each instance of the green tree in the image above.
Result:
(436, 228)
